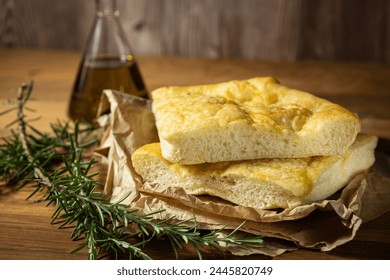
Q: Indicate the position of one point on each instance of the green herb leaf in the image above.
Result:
(55, 163)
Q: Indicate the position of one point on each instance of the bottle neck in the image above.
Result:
(106, 7)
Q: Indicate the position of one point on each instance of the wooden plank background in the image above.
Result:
(274, 30)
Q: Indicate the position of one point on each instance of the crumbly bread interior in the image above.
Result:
(250, 119)
(262, 183)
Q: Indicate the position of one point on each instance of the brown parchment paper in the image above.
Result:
(324, 225)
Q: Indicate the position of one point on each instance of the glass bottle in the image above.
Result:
(107, 63)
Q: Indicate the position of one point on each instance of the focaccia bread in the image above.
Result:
(250, 119)
(263, 183)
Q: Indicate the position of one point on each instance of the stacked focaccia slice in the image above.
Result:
(255, 143)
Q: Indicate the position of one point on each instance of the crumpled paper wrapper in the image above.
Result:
(323, 225)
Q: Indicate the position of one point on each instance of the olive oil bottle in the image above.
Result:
(103, 73)
(108, 63)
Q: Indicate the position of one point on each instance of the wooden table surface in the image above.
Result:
(25, 229)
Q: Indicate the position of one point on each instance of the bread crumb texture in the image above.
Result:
(250, 119)
(262, 183)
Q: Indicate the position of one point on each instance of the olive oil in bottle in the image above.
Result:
(108, 63)
(103, 73)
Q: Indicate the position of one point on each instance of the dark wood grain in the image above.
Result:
(275, 30)
(26, 234)
(25, 229)
(346, 30)
(45, 24)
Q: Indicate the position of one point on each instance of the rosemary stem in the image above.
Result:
(101, 224)
(22, 92)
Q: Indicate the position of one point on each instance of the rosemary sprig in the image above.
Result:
(56, 163)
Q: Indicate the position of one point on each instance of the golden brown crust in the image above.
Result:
(262, 183)
(260, 116)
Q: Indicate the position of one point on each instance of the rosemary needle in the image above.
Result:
(64, 178)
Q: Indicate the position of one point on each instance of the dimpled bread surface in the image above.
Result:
(249, 119)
